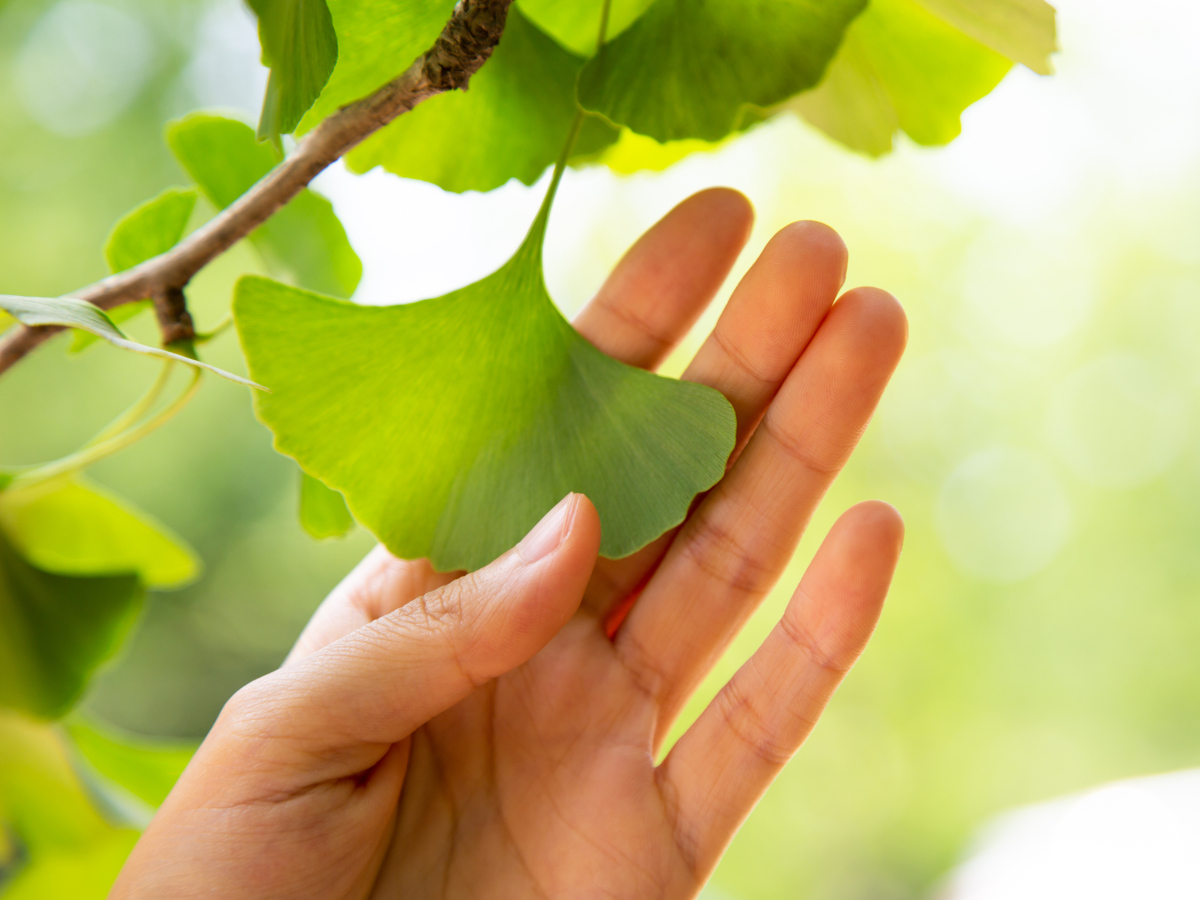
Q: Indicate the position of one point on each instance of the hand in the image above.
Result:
(495, 734)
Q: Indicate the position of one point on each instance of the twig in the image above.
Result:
(464, 45)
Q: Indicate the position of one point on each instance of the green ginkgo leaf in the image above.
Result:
(689, 70)
(510, 124)
(56, 629)
(301, 49)
(452, 425)
(144, 232)
(576, 23)
(1022, 30)
(304, 242)
(71, 313)
(75, 527)
(377, 40)
(323, 511)
(145, 767)
(900, 68)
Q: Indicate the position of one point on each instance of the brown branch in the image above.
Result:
(464, 45)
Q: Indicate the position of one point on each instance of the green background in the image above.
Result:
(1040, 438)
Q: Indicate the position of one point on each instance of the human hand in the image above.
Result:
(495, 735)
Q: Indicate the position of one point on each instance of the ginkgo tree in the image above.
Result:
(410, 418)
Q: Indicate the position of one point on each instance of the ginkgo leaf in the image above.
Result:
(323, 511)
(510, 124)
(576, 25)
(688, 70)
(146, 767)
(62, 845)
(1022, 30)
(304, 242)
(300, 47)
(900, 68)
(452, 425)
(377, 41)
(75, 527)
(71, 313)
(144, 232)
(56, 629)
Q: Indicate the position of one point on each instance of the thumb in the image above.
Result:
(340, 707)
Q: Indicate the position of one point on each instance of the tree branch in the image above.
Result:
(464, 45)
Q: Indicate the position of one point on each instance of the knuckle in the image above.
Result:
(715, 550)
(749, 727)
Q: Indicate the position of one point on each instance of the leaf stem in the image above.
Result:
(97, 450)
(139, 409)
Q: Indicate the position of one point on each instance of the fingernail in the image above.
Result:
(547, 534)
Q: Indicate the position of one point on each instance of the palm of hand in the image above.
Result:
(528, 766)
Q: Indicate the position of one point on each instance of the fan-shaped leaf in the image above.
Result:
(688, 70)
(71, 313)
(303, 242)
(55, 630)
(510, 124)
(75, 527)
(144, 232)
(300, 47)
(377, 40)
(900, 67)
(1022, 30)
(452, 425)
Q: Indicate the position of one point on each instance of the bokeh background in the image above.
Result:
(1041, 437)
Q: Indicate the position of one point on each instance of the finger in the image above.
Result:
(737, 543)
(769, 320)
(660, 287)
(724, 763)
(378, 585)
(331, 714)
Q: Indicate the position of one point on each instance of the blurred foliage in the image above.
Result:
(1039, 639)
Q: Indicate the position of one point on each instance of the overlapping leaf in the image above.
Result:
(71, 313)
(144, 232)
(1022, 30)
(377, 41)
(901, 67)
(510, 124)
(75, 527)
(145, 767)
(56, 629)
(300, 48)
(576, 23)
(452, 425)
(304, 242)
(323, 512)
(688, 70)
(65, 846)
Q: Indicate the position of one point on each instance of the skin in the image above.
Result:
(495, 734)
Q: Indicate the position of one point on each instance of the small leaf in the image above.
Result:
(75, 527)
(1022, 30)
(688, 70)
(323, 511)
(300, 48)
(900, 67)
(152, 228)
(576, 25)
(452, 425)
(146, 231)
(72, 313)
(146, 767)
(510, 124)
(55, 630)
(377, 41)
(304, 241)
